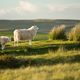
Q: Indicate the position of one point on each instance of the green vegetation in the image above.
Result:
(54, 65)
(57, 33)
(7, 61)
(44, 60)
(4, 33)
(74, 34)
(49, 60)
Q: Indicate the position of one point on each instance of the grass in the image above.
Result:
(57, 33)
(59, 65)
(74, 34)
(44, 60)
(4, 33)
(41, 59)
(56, 72)
(39, 47)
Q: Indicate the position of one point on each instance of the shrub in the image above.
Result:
(74, 34)
(57, 33)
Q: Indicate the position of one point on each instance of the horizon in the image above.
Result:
(38, 19)
(43, 9)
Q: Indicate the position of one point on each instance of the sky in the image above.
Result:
(39, 9)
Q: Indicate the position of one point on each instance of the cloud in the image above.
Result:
(64, 11)
(23, 8)
(4, 11)
(26, 9)
(26, 6)
(56, 8)
(62, 8)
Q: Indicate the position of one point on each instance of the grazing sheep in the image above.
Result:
(3, 41)
(25, 34)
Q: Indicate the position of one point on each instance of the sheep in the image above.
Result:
(25, 34)
(3, 41)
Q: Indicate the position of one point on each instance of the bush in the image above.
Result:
(74, 34)
(57, 33)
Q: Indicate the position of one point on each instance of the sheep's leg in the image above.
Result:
(16, 40)
(30, 42)
(3, 46)
(15, 43)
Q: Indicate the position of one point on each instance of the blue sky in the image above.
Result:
(39, 9)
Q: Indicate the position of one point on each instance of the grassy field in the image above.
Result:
(44, 60)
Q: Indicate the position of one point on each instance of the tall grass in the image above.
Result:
(74, 34)
(8, 61)
(59, 65)
(57, 33)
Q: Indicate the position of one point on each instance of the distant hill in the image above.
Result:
(45, 25)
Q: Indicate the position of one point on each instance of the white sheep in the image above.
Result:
(25, 34)
(3, 41)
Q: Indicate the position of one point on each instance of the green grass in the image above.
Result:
(5, 33)
(39, 47)
(74, 34)
(59, 65)
(20, 63)
(44, 60)
(41, 36)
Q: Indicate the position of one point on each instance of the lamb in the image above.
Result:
(3, 41)
(25, 34)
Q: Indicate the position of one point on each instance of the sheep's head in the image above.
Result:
(35, 27)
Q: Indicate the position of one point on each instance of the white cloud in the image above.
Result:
(26, 7)
(23, 7)
(3, 11)
(7, 11)
(64, 11)
(56, 8)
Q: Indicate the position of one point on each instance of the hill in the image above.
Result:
(44, 24)
(49, 60)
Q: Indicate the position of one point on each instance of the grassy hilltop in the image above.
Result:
(45, 59)
(49, 60)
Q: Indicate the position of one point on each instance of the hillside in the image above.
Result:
(44, 24)
(49, 60)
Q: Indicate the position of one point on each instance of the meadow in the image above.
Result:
(44, 60)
